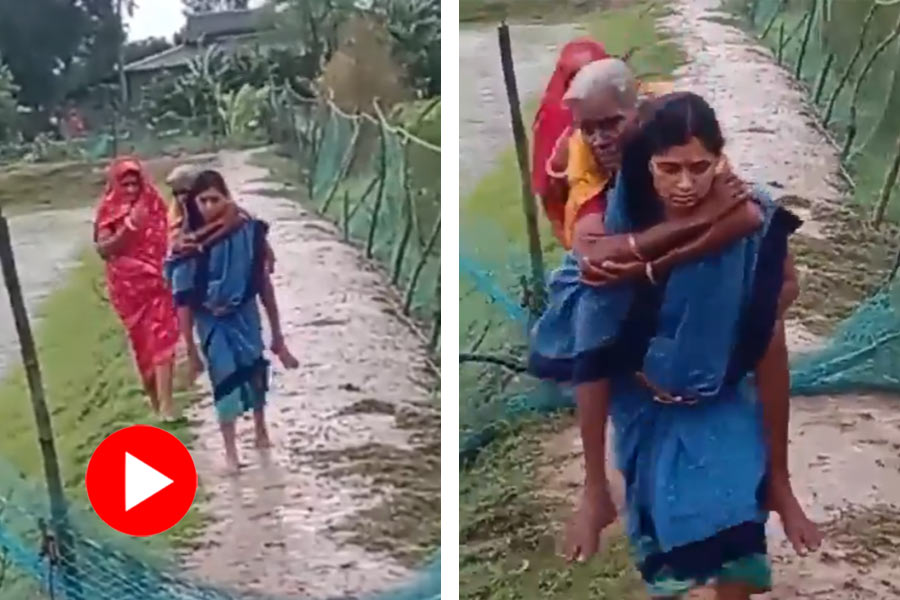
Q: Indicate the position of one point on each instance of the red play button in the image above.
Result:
(141, 480)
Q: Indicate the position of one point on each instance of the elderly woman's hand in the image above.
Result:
(728, 192)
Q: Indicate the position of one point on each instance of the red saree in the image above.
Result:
(134, 276)
(553, 117)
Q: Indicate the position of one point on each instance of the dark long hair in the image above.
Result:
(670, 120)
(205, 180)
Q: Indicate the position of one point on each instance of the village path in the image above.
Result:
(844, 450)
(355, 428)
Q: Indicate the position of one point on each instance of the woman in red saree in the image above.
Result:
(552, 120)
(131, 234)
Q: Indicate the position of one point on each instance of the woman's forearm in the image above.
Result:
(270, 304)
(735, 225)
(592, 401)
(773, 383)
(110, 245)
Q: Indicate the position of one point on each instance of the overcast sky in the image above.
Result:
(159, 18)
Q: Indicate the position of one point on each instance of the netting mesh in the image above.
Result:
(382, 185)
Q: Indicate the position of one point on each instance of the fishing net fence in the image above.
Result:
(381, 185)
(854, 91)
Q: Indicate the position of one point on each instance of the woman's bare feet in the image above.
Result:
(232, 464)
(801, 532)
(262, 441)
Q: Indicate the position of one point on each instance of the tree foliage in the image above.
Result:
(205, 6)
(53, 47)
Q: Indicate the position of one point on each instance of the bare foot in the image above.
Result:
(801, 532)
(232, 465)
(262, 441)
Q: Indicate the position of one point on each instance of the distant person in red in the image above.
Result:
(75, 124)
(131, 235)
(553, 119)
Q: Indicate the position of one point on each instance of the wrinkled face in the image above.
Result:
(131, 186)
(212, 204)
(604, 124)
(180, 194)
(683, 176)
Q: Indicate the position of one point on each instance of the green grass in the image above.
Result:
(528, 10)
(509, 531)
(507, 528)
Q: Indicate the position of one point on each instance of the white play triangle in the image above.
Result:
(141, 481)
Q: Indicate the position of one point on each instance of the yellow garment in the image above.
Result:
(176, 217)
(586, 178)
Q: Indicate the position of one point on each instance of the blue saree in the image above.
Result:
(695, 470)
(221, 286)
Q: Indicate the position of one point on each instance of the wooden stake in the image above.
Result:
(890, 180)
(810, 18)
(823, 77)
(538, 281)
(845, 75)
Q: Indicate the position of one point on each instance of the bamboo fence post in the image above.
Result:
(417, 272)
(781, 42)
(538, 280)
(845, 75)
(343, 168)
(772, 20)
(362, 199)
(43, 423)
(382, 177)
(436, 318)
(881, 47)
(823, 77)
(408, 210)
(810, 19)
(345, 215)
(890, 181)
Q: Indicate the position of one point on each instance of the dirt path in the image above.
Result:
(484, 129)
(354, 429)
(844, 451)
(41, 260)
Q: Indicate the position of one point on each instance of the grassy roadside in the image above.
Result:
(90, 383)
(472, 11)
(507, 527)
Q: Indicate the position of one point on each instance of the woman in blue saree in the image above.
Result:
(216, 286)
(686, 359)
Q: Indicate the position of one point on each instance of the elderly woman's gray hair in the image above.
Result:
(602, 76)
(182, 177)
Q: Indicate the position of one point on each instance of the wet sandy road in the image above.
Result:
(358, 410)
(484, 126)
(41, 262)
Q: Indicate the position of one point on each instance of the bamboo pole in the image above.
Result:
(408, 209)
(382, 177)
(881, 47)
(417, 272)
(845, 75)
(345, 215)
(772, 20)
(343, 168)
(43, 423)
(823, 77)
(810, 19)
(529, 208)
(780, 54)
(890, 180)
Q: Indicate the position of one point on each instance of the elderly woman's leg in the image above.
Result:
(732, 591)
(164, 401)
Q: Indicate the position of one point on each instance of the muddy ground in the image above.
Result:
(845, 451)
